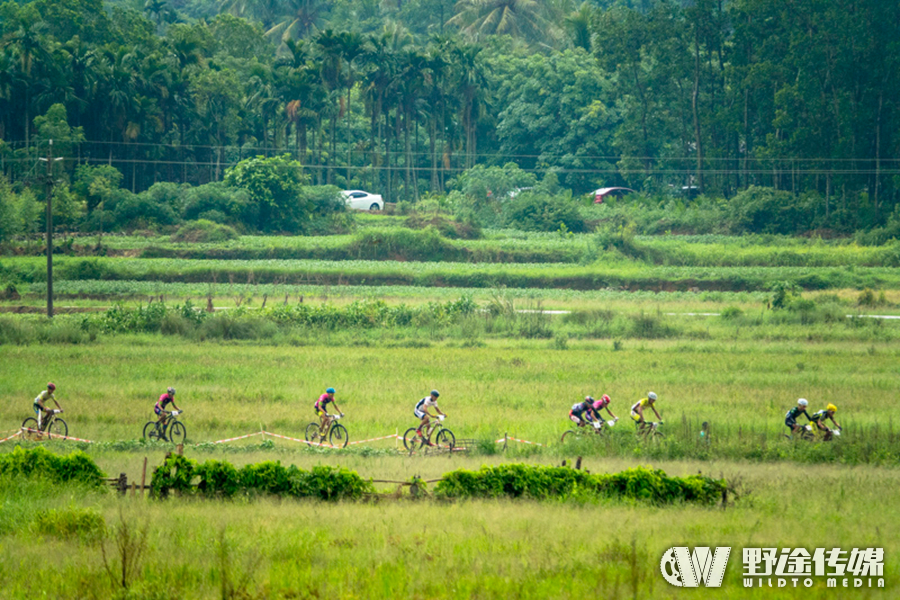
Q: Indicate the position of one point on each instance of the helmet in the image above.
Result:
(435, 393)
(171, 391)
(51, 387)
(652, 396)
(802, 402)
(831, 408)
(329, 391)
(588, 398)
(605, 398)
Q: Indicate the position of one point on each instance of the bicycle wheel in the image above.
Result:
(151, 432)
(57, 428)
(445, 439)
(312, 433)
(177, 432)
(411, 439)
(30, 423)
(338, 436)
(569, 435)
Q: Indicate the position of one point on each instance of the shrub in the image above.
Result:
(533, 211)
(40, 462)
(203, 231)
(542, 482)
(217, 478)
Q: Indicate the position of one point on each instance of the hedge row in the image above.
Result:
(215, 478)
(542, 482)
(39, 462)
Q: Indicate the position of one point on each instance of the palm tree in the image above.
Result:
(299, 19)
(27, 43)
(471, 87)
(478, 19)
(579, 25)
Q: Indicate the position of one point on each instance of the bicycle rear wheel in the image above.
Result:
(177, 432)
(445, 439)
(569, 435)
(150, 431)
(30, 423)
(411, 439)
(312, 434)
(338, 436)
(57, 428)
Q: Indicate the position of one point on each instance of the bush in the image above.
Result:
(40, 462)
(533, 211)
(542, 482)
(203, 231)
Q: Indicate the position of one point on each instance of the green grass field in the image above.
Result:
(500, 373)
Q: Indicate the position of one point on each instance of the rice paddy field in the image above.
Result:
(503, 374)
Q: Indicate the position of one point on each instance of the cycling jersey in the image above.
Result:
(790, 418)
(642, 403)
(163, 401)
(322, 402)
(43, 397)
(820, 415)
(423, 404)
(581, 407)
(599, 404)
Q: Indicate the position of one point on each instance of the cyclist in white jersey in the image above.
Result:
(422, 413)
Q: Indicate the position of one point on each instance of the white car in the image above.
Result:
(361, 200)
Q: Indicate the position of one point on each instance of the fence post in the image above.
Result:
(578, 464)
(144, 477)
(122, 484)
(180, 449)
(505, 440)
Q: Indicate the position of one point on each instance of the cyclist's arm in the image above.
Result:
(439, 411)
(611, 413)
(57, 404)
(336, 407)
(640, 411)
(835, 422)
(656, 413)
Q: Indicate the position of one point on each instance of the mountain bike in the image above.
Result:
(599, 428)
(51, 424)
(811, 433)
(650, 430)
(169, 429)
(334, 433)
(443, 438)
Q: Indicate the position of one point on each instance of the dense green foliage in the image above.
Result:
(672, 99)
(76, 467)
(540, 482)
(221, 479)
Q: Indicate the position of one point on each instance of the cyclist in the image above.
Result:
(599, 405)
(790, 419)
(819, 419)
(421, 411)
(40, 408)
(637, 411)
(321, 408)
(581, 412)
(164, 400)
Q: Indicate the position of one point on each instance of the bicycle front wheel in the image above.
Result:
(338, 436)
(445, 439)
(177, 432)
(57, 428)
(411, 439)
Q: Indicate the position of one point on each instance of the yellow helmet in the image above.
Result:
(831, 408)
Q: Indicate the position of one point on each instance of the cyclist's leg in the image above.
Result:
(423, 421)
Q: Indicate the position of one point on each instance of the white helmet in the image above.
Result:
(802, 402)
(652, 396)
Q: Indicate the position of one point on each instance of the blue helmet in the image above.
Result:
(435, 393)
(329, 391)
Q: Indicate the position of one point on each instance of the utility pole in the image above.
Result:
(50, 160)
(50, 231)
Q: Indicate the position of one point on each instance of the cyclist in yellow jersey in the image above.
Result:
(40, 407)
(637, 411)
(819, 417)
